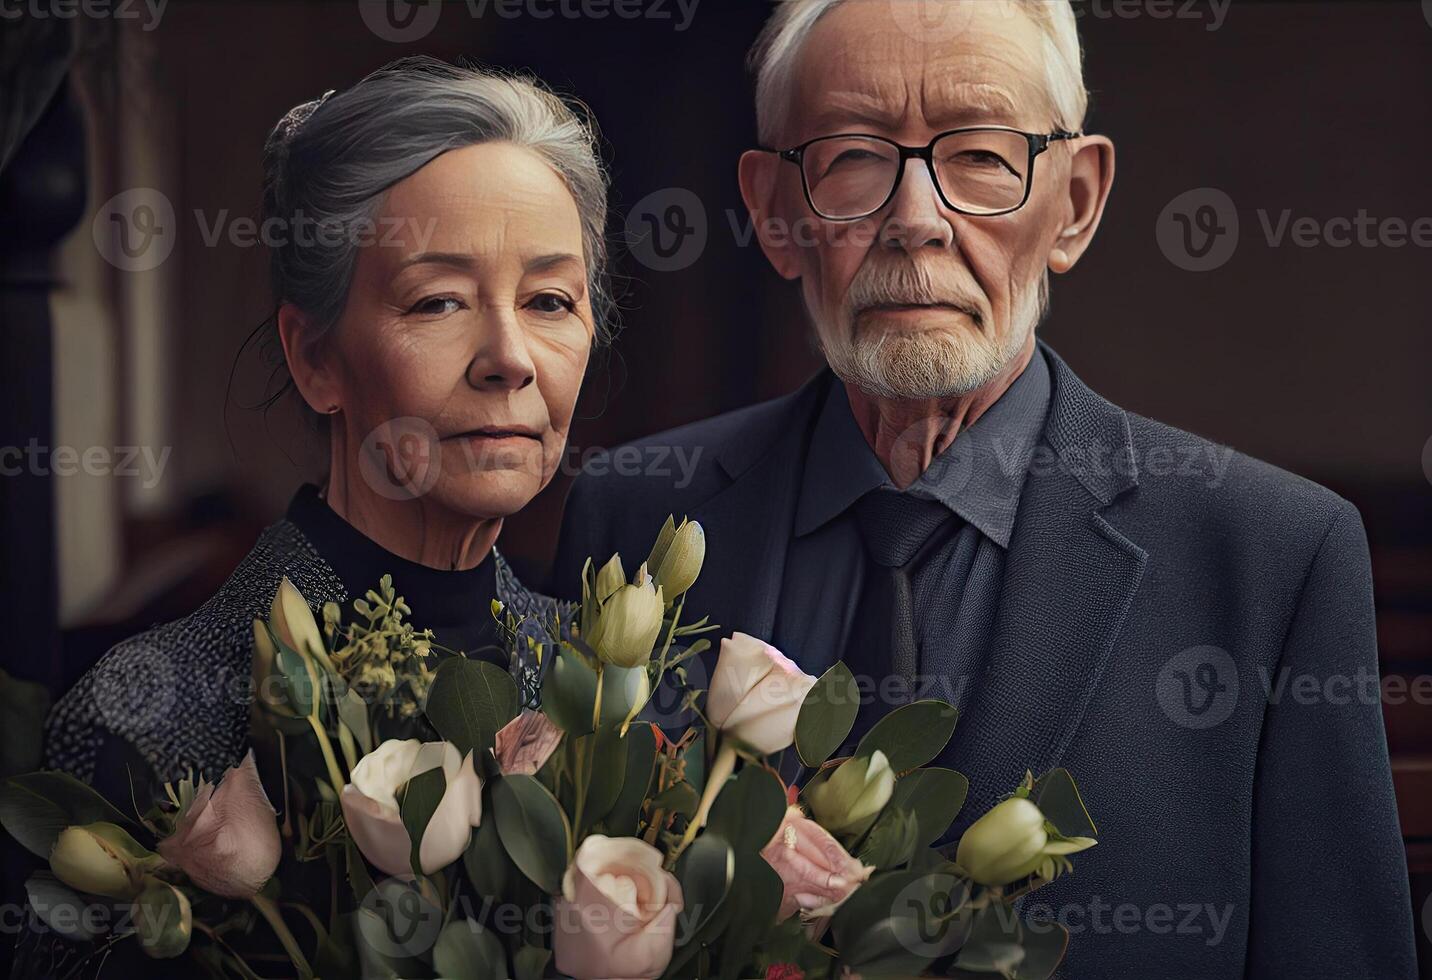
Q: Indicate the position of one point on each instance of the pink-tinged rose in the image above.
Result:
(227, 839)
(525, 743)
(617, 914)
(816, 872)
(370, 805)
(756, 693)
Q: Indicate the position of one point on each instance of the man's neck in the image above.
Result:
(907, 434)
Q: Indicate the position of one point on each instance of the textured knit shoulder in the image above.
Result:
(180, 692)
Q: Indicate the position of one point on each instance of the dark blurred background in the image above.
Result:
(1309, 349)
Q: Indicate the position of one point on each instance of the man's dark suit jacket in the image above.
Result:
(1197, 648)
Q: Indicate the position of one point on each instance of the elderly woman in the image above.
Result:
(439, 296)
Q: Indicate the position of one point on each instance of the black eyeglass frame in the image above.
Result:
(1038, 143)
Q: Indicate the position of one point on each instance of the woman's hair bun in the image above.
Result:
(276, 150)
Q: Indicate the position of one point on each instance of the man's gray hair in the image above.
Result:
(329, 162)
(777, 50)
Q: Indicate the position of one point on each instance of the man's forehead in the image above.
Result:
(858, 65)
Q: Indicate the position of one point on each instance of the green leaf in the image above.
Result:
(421, 797)
(61, 908)
(891, 841)
(568, 691)
(934, 796)
(36, 806)
(748, 812)
(827, 714)
(640, 744)
(534, 829)
(298, 682)
(1058, 799)
(677, 798)
(607, 775)
(705, 870)
(467, 951)
(752, 907)
(1000, 942)
(912, 734)
(900, 921)
(489, 868)
(469, 701)
(530, 962)
(353, 712)
(163, 920)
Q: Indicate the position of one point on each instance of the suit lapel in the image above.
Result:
(1068, 580)
(748, 524)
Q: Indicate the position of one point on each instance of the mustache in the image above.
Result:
(907, 284)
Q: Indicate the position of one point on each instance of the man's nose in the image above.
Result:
(916, 217)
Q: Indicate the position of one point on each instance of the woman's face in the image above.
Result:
(459, 355)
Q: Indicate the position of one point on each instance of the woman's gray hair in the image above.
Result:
(329, 162)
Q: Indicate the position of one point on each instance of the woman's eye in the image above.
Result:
(436, 305)
(552, 303)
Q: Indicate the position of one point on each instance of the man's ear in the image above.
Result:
(1091, 175)
(311, 376)
(759, 174)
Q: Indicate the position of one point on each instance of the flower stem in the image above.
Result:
(721, 770)
(335, 775)
(272, 916)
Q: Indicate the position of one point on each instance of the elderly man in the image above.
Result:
(953, 512)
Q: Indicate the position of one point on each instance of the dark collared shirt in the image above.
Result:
(979, 477)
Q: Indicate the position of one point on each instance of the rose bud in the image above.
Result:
(99, 858)
(850, 800)
(1010, 843)
(756, 693)
(226, 839)
(375, 822)
(617, 913)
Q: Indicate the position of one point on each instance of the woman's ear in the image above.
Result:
(1091, 175)
(312, 377)
(759, 174)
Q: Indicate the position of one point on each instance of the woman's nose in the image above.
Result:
(502, 360)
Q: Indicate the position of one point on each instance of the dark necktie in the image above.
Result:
(899, 531)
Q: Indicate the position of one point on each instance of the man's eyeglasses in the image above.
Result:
(981, 170)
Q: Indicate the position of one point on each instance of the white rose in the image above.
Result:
(756, 693)
(370, 805)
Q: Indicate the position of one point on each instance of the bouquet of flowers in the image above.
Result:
(444, 816)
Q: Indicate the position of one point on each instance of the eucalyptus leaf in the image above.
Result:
(748, 811)
(60, 908)
(467, 951)
(489, 868)
(353, 712)
(530, 962)
(298, 677)
(892, 840)
(900, 921)
(1058, 799)
(827, 714)
(1001, 942)
(420, 799)
(934, 796)
(36, 806)
(469, 702)
(705, 870)
(640, 762)
(607, 775)
(911, 735)
(534, 829)
(568, 691)
(751, 909)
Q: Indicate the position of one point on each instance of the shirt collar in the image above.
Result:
(979, 476)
